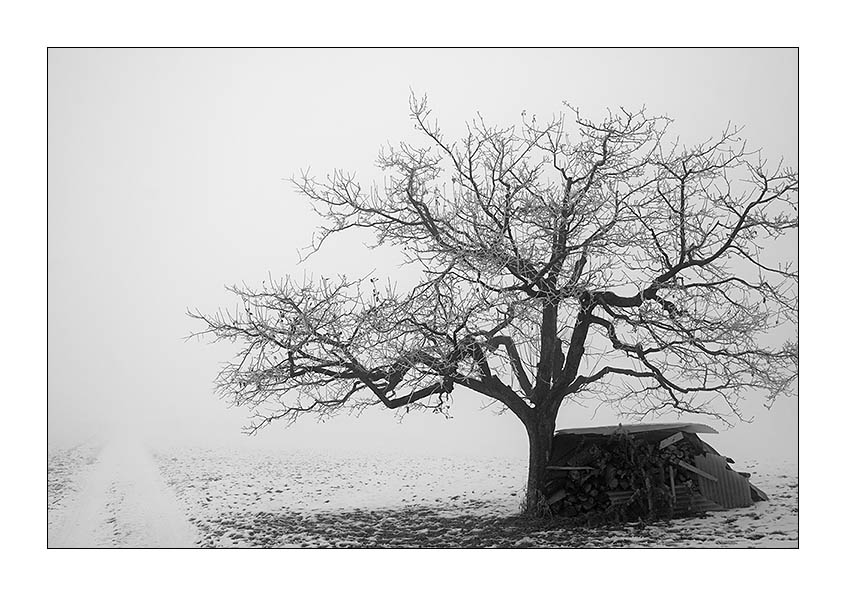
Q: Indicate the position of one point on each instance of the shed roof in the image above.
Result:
(688, 427)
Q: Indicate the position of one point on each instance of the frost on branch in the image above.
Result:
(573, 260)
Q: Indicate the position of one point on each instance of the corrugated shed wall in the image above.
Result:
(687, 501)
(730, 490)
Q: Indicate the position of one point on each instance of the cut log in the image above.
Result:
(673, 481)
(670, 440)
(694, 469)
(620, 497)
(558, 496)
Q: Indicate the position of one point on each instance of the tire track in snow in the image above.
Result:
(124, 502)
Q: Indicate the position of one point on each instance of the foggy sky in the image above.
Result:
(165, 179)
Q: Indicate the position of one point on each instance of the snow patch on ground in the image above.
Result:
(119, 500)
(313, 500)
(124, 496)
(65, 468)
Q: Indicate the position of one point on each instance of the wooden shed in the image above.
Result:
(642, 470)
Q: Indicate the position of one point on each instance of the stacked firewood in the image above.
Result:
(576, 492)
(681, 451)
(621, 477)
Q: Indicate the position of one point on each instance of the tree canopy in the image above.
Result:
(577, 259)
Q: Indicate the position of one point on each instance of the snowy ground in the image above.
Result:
(65, 469)
(125, 495)
(117, 499)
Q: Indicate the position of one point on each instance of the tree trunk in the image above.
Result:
(540, 434)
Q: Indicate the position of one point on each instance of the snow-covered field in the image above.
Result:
(124, 495)
(65, 469)
(118, 498)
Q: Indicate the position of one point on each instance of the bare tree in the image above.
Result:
(575, 260)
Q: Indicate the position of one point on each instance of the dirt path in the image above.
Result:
(123, 502)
